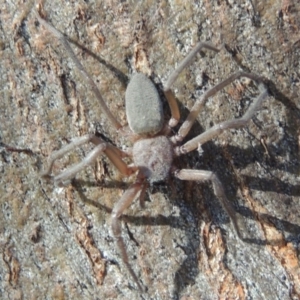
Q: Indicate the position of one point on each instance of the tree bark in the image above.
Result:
(56, 242)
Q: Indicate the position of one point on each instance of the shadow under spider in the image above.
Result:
(184, 275)
(119, 74)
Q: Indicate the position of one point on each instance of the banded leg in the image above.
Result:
(202, 175)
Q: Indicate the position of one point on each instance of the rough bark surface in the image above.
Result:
(56, 242)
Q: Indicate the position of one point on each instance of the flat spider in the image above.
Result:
(154, 147)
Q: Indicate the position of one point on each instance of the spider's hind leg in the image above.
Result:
(64, 41)
(174, 75)
(218, 128)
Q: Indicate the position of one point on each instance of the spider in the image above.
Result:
(154, 146)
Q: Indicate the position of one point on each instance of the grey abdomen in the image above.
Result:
(143, 105)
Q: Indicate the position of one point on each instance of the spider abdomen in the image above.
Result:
(143, 106)
(154, 157)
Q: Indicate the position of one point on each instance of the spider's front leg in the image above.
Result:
(125, 201)
(202, 175)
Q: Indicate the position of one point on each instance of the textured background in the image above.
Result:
(56, 242)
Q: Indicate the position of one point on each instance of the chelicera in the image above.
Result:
(154, 145)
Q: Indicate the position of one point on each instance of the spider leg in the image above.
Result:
(188, 123)
(174, 75)
(124, 202)
(143, 195)
(82, 70)
(114, 154)
(219, 128)
(202, 175)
